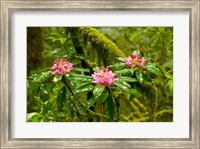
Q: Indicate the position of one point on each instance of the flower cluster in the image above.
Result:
(60, 67)
(105, 76)
(134, 60)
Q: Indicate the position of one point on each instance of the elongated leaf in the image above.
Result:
(75, 77)
(91, 102)
(139, 76)
(51, 52)
(169, 85)
(121, 59)
(61, 98)
(57, 78)
(81, 69)
(80, 56)
(41, 76)
(30, 116)
(98, 90)
(123, 85)
(128, 79)
(103, 96)
(152, 68)
(84, 88)
(117, 65)
(146, 77)
(52, 38)
(124, 71)
(169, 76)
(111, 107)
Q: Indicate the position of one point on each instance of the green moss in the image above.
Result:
(164, 115)
(149, 93)
(106, 49)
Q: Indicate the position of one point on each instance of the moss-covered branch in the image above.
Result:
(106, 49)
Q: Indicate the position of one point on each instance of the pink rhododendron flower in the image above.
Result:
(105, 76)
(133, 61)
(60, 67)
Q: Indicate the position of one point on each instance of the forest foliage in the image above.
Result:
(100, 74)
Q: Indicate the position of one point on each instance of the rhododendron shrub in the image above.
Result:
(73, 88)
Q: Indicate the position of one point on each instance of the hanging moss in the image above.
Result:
(150, 95)
(106, 49)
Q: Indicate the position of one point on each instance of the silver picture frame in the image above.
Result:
(10, 6)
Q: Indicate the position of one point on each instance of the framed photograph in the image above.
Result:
(100, 74)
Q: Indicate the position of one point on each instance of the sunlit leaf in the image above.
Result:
(42, 76)
(98, 90)
(62, 40)
(121, 59)
(128, 79)
(153, 68)
(81, 69)
(139, 76)
(123, 85)
(124, 71)
(137, 52)
(57, 78)
(30, 116)
(84, 87)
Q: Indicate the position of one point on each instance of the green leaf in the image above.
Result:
(30, 116)
(169, 85)
(75, 77)
(52, 38)
(91, 102)
(51, 52)
(128, 79)
(71, 50)
(98, 90)
(146, 77)
(121, 59)
(84, 88)
(57, 78)
(103, 96)
(131, 98)
(123, 85)
(124, 71)
(137, 52)
(96, 68)
(55, 34)
(80, 56)
(41, 76)
(117, 65)
(52, 100)
(62, 40)
(152, 68)
(81, 69)
(111, 107)
(61, 98)
(168, 75)
(134, 92)
(139, 76)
